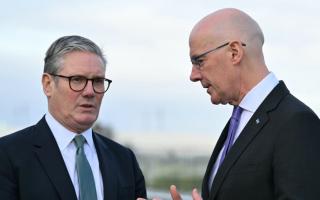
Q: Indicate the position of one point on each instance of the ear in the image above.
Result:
(236, 52)
(47, 84)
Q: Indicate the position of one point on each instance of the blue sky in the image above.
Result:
(146, 45)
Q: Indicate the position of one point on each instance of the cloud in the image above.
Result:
(146, 43)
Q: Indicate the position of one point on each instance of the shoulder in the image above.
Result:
(114, 151)
(110, 144)
(296, 121)
(281, 102)
(292, 106)
(24, 136)
(15, 146)
(17, 138)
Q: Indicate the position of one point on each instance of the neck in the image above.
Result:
(248, 80)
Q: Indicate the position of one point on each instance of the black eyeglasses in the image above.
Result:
(78, 83)
(195, 60)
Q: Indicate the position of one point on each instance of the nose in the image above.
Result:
(88, 90)
(195, 74)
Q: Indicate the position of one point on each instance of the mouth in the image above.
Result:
(87, 106)
(204, 84)
(205, 87)
(209, 89)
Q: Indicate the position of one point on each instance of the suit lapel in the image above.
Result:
(107, 167)
(48, 153)
(251, 130)
(245, 138)
(213, 158)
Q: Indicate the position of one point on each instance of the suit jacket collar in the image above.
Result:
(213, 158)
(48, 153)
(256, 123)
(107, 166)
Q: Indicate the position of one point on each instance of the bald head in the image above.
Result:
(228, 24)
(240, 61)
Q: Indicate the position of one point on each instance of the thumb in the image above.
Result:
(195, 194)
(174, 193)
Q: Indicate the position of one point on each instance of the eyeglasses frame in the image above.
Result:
(87, 79)
(195, 59)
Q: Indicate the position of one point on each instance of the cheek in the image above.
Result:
(69, 102)
(211, 76)
(99, 99)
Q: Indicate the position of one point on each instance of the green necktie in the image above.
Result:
(87, 189)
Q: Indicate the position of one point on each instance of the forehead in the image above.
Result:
(82, 63)
(204, 35)
(198, 43)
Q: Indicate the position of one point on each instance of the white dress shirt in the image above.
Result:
(250, 104)
(64, 139)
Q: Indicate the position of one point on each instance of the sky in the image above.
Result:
(146, 45)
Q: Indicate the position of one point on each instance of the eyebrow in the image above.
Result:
(194, 58)
(93, 77)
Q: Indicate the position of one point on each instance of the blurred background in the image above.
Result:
(151, 105)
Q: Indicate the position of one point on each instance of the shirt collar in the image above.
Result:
(258, 93)
(64, 136)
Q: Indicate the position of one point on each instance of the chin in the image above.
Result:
(87, 120)
(214, 100)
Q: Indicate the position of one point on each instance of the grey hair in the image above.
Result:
(64, 45)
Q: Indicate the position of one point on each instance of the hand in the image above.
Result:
(176, 195)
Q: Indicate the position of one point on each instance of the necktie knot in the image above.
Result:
(237, 110)
(79, 140)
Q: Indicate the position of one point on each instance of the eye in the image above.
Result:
(78, 79)
(199, 62)
(99, 80)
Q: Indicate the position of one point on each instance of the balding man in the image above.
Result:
(270, 148)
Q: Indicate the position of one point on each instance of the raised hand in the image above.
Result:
(176, 195)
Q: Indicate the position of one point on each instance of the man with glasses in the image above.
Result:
(61, 157)
(270, 147)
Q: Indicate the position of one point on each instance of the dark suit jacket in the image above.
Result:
(32, 168)
(276, 156)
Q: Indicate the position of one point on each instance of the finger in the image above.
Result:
(174, 193)
(195, 194)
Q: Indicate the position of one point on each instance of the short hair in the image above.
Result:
(64, 45)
